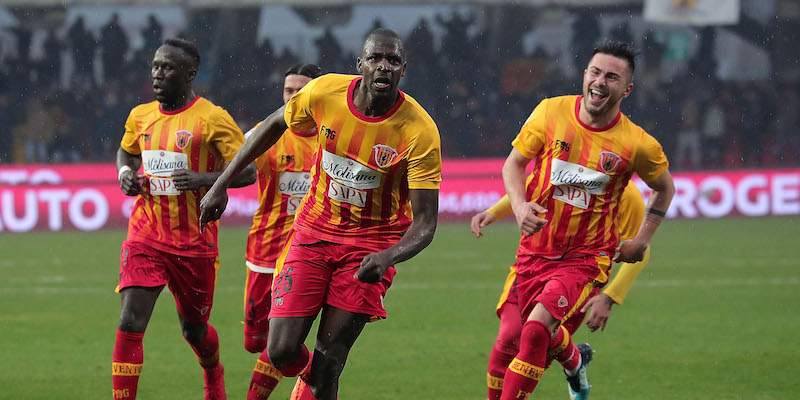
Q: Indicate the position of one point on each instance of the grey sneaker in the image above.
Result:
(579, 383)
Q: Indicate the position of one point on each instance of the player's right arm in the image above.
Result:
(262, 138)
(129, 159)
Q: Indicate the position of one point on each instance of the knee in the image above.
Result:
(130, 322)
(194, 333)
(282, 354)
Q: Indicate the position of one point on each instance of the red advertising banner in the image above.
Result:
(87, 196)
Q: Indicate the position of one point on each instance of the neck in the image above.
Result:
(371, 105)
(598, 120)
(180, 101)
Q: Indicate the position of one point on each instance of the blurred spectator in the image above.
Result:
(34, 136)
(689, 136)
(329, 52)
(152, 35)
(114, 47)
(787, 126)
(83, 51)
(713, 133)
(50, 65)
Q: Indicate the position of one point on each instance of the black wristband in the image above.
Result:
(653, 211)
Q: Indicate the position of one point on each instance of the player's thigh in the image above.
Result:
(136, 307)
(192, 281)
(299, 288)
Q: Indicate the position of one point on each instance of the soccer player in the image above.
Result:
(586, 151)
(283, 180)
(378, 164)
(507, 342)
(183, 141)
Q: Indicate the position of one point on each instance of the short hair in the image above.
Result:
(310, 70)
(386, 32)
(618, 49)
(187, 46)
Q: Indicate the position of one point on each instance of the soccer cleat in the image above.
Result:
(578, 384)
(299, 387)
(214, 388)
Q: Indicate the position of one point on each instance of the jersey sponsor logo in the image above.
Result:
(349, 172)
(162, 186)
(384, 155)
(162, 163)
(609, 161)
(295, 184)
(329, 133)
(347, 194)
(292, 204)
(562, 302)
(572, 194)
(567, 173)
(561, 145)
(182, 139)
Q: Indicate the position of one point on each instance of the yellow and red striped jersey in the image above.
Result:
(580, 174)
(283, 179)
(200, 137)
(365, 166)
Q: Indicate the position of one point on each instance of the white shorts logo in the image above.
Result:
(346, 194)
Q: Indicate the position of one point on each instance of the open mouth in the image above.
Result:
(597, 96)
(382, 83)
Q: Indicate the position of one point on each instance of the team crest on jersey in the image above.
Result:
(562, 302)
(384, 155)
(609, 161)
(182, 139)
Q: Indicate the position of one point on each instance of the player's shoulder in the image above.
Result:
(145, 109)
(416, 111)
(208, 111)
(569, 100)
(333, 82)
(633, 130)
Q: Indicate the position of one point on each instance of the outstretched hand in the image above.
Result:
(373, 266)
(212, 206)
(480, 220)
(528, 220)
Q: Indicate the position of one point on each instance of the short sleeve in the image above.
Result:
(425, 159)
(130, 139)
(299, 114)
(649, 161)
(224, 134)
(531, 138)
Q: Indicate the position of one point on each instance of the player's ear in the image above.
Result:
(191, 73)
(628, 90)
(359, 64)
(403, 72)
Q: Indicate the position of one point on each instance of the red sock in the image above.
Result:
(126, 364)
(208, 350)
(265, 378)
(563, 350)
(506, 346)
(299, 365)
(527, 367)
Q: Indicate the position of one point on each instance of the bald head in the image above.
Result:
(384, 34)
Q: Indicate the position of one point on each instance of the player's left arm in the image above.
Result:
(425, 208)
(599, 306)
(186, 179)
(663, 189)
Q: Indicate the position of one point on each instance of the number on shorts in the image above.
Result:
(284, 282)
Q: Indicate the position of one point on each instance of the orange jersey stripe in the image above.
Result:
(198, 137)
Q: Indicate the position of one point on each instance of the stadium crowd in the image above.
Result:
(476, 94)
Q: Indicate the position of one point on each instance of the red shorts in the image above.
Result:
(562, 286)
(314, 272)
(257, 302)
(191, 279)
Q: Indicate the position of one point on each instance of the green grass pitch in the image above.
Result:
(714, 315)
